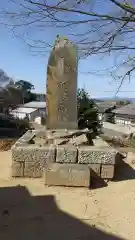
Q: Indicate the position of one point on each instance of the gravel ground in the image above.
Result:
(29, 210)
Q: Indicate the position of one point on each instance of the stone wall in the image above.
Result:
(30, 160)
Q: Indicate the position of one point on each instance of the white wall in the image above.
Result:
(42, 112)
(122, 121)
(18, 115)
(100, 116)
(38, 120)
(31, 116)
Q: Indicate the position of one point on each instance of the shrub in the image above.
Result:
(87, 112)
(22, 124)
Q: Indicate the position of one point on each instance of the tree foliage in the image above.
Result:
(25, 87)
(98, 27)
(123, 102)
(4, 78)
(87, 111)
(14, 93)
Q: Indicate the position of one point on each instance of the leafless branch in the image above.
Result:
(107, 31)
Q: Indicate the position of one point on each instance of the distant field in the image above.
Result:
(115, 99)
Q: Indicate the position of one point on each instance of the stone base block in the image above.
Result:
(32, 170)
(76, 175)
(93, 155)
(17, 169)
(43, 155)
(70, 165)
(66, 154)
(107, 171)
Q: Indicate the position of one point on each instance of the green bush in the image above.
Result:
(132, 141)
(22, 124)
(87, 112)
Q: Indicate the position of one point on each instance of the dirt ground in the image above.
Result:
(6, 144)
(29, 210)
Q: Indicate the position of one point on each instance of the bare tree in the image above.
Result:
(4, 78)
(97, 27)
(10, 96)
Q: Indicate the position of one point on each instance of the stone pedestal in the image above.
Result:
(73, 165)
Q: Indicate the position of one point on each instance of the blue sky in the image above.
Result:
(20, 63)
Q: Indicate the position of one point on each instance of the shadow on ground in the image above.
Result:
(123, 171)
(37, 217)
(96, 181)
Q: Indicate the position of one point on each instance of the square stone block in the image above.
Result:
(17, 169)
(93, 155)
(107, 171)
(77, 175)
(66, 154)
(47, 154)
(32, 169)
(44, 155)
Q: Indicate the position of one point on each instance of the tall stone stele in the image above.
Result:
(61, 89)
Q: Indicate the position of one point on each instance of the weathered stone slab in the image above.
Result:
(41, 133)
(25, 139)
(27, 136)
(66, 154)
(61, 95)
(76, 175)
(95, 169)
(79, 140)
(66, 133)
(43, 155)
(60, 141)
(88, 155)
(17, 169)
(107, 171)
(50, 141)
(40, 142)
(32, 169)
(99, 142)
(57, 133)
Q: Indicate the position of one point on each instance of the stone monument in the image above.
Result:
(62, 154)
(61, 88)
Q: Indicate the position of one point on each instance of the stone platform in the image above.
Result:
(62, 158)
